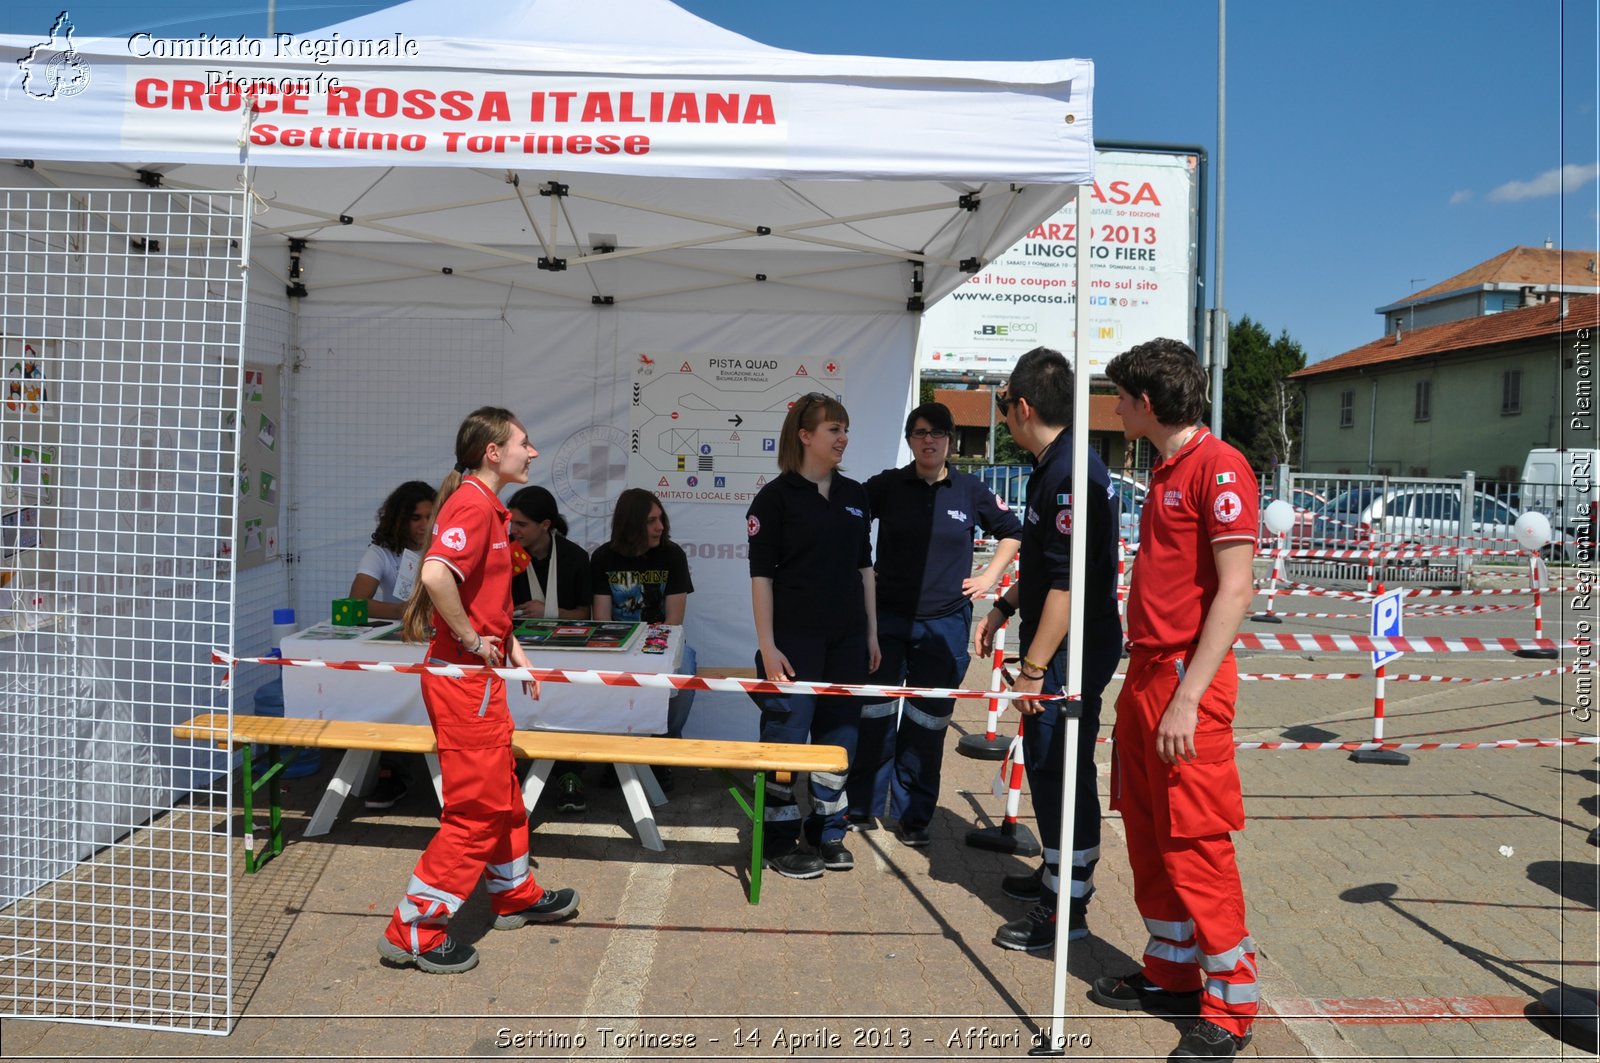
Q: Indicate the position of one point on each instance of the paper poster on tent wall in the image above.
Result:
(30, 434)
(261, 449)
(704, 427)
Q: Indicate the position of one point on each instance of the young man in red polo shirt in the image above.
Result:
(1173, 776)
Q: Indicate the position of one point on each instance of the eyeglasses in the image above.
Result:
(1003, 403)
(928, 433)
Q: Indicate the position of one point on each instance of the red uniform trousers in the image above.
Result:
(483, 830)
(1178, 818)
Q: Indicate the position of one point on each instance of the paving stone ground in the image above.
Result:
(1401, 912)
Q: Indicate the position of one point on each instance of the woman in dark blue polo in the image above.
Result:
(811, 590)
(926, 514)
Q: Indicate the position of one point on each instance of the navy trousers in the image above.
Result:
(902, 764)
(803, 718)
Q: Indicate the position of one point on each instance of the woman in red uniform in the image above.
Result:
(465, 588)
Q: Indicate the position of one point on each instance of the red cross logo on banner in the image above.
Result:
(831, 368)
(1227, 507)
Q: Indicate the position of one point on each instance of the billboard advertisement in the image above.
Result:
(1144, 261)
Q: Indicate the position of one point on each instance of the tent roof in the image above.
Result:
(843, 182)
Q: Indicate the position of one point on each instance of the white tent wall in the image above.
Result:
(379, 393)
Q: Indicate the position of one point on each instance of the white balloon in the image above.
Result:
(1280, 517)
(1533, 529)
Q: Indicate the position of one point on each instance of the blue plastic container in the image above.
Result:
(269, 701)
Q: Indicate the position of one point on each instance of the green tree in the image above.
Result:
(1260, 405)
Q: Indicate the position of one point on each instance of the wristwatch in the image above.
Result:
(1005, 608)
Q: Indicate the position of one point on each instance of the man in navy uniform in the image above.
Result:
(1037, 406)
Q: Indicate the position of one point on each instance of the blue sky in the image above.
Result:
(1373, 148)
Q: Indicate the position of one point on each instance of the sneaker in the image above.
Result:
(554, 906)
(915, 837)
(1207, 1040)
(1135, 992)
(835, 857)
(796, 863)
(386, 792)
(569, 794)
(1029, 887)
(1034, 932)
(859, 822)
(447, 957)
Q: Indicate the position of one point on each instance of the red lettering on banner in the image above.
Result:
(1120, 195)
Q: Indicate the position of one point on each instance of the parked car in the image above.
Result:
(1010, 482)
(1418, 515)
(1306, 502)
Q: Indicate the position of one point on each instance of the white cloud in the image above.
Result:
(1460, 197)
(1567, 178)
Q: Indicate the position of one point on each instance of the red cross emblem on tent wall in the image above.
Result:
(831, 368)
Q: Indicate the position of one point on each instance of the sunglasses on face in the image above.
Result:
(928, 433)
(1003, 403)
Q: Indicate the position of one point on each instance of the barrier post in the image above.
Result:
(1278, 551)
(1010, 836)
(1537, 586)
(1386, 623)
(989, 745)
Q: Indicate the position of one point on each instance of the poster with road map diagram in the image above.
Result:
(704, 427)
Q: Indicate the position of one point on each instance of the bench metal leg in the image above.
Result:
(756, 812)
(353, 767)
(272, 779)
(644, 820)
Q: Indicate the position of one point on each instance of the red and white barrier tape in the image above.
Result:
(1387, 554)
(1369, 643)
(640, 679)
(1353, 747)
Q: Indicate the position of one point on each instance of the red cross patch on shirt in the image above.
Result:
(1227, 507)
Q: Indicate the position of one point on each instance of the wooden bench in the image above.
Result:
(544, 748)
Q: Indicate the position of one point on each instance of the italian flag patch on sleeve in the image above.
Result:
(1226, 478)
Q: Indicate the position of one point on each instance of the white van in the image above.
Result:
(1561, 485)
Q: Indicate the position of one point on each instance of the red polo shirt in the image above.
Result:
(469, 535)
(1204, 494)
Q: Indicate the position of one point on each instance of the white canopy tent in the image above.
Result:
(470, 205)
(848, 192)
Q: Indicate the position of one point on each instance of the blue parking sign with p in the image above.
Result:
(1387, 616)
(769, 444)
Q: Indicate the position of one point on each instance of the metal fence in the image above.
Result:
(1427, 530)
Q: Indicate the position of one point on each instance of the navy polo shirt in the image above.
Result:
(813, 549)
(925, 537)
(1047, 547)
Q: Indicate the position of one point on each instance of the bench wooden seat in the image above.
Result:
(781, 760)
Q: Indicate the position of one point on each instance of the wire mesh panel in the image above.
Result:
(120, 328)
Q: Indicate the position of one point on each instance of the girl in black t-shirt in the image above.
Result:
(641, 574)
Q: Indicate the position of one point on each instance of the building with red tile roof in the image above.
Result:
(1476, 393)
(1512, 280)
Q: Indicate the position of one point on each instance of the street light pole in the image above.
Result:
(1219, 315)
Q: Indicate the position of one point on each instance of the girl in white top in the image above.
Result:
(389, 567)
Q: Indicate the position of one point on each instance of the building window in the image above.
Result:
(1424, 400)
(1511, 392)
(1347, 408)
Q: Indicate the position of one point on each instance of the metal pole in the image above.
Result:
(1219, 329)
(1079, 554)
